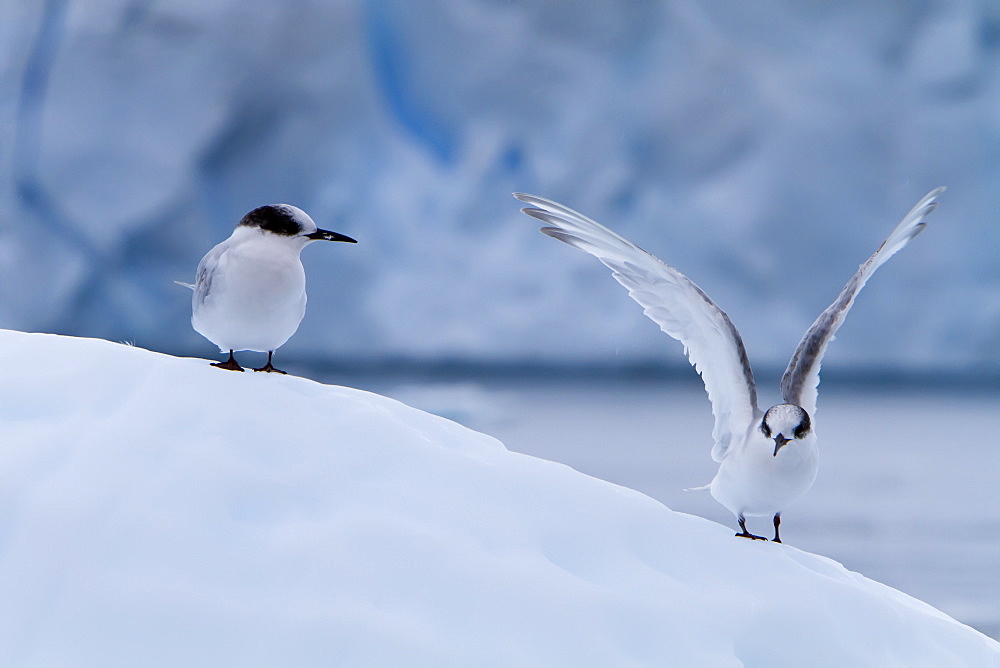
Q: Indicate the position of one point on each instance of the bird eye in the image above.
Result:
(765, 429)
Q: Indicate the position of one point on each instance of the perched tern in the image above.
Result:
(250, 290)
(767, 459)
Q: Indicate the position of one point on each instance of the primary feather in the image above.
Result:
(678, 306)
(801, 378)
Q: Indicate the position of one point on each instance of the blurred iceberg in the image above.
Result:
(764, 149)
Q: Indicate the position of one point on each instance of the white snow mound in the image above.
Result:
(157, 511)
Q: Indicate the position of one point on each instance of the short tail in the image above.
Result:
(703, 488)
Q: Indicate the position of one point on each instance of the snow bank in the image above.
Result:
(157, 511)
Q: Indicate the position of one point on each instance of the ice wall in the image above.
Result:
(765, 150)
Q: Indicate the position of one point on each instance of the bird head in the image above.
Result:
(289, 222)
(785, 423)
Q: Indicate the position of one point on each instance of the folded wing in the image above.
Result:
(678, 306)
(801, 378)
(207, 273)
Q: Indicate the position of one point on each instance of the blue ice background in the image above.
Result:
(763, 148)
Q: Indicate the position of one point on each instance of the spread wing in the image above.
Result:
(801, 378)
(678, 306)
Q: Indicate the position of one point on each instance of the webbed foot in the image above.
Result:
(268, 368)
(746, 534)
(230, 364)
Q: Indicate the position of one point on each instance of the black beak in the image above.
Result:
(326, 235)
(779, 442)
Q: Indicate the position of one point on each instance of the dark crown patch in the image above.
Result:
(273, 219)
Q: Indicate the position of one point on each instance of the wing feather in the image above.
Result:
(207, 273)
(801, 379)
(678, 306)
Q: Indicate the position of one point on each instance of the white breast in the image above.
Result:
(257, 297)
(753, 482)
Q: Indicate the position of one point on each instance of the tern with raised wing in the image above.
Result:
(767, 459)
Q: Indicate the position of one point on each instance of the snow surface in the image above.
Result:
(157, 511)
(741, 142)
(917, 512)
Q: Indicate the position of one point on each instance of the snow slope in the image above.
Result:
(157, 511)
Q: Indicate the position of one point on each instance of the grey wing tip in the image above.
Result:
(546, 216)
(540, 214)
(932, 197)
(924, 208)
(930, 201)
(564, 236)
(534, 200)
